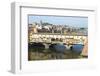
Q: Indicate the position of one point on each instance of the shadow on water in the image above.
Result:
(37, 51)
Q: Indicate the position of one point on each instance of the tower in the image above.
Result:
(41, 22)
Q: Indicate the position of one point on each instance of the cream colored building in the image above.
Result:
(85, 49)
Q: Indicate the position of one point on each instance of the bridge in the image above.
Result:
(56, 38)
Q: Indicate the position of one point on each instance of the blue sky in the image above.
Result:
(71, 21)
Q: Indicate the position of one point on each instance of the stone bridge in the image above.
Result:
(57, 38)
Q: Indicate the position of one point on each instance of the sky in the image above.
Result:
(66, 20)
